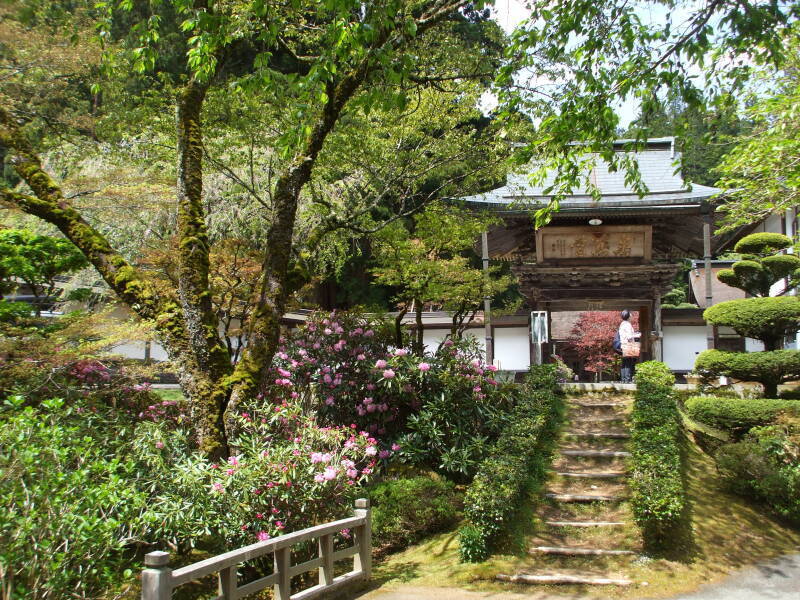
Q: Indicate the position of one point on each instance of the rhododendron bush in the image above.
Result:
(439, 410)
(288, 473)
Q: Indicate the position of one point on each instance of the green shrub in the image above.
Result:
(406, 510)
(658, 494)
(738, 415)
(767, 368)
(473, 545)
(70, 503)
(518, 462)
(12, 312)
(792, 394)
(762, 243)
(766, 467)
(765, 319)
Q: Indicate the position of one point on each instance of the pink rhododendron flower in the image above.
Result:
(329, 400)
(381, 364)
(217, 487)
(328, 331)
(424, 366)
(395, 447)
(371, 451)
(384, 454)
(388, 374)
(230, 471)
(367, 400)
(491, 368)
(352, 473)
(233, 460)
(330, 473)
(361, 357)
(159, 444)
(369, 333)
(319, 478)
(262, 536)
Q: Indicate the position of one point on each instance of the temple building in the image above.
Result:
(621, 252)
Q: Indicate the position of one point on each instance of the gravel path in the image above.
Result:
(776, 579)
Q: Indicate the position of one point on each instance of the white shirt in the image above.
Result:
(626, 333)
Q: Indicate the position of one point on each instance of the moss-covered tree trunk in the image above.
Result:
(203, 375)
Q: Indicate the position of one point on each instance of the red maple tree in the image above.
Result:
(592, 339)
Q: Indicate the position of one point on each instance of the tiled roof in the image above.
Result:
(659, 166)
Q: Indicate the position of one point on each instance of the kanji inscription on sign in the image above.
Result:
(592, 243)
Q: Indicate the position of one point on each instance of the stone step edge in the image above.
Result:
(588, 453)
(583, 498)
(561, 579)
(599, 419)
(599, 434)
(584, 523)
(590, 475)
(568, 551)
(598, 404)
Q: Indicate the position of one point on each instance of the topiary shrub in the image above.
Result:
(738, 415)
(765, 319)
(658, 495)
(406, 510)
(760, 268)
(767, 368)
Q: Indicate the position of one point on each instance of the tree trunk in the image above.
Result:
(203, 376)
(398, 328)
(418, 346)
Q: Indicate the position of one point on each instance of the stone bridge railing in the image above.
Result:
(159, 580)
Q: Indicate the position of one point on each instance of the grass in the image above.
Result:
(729, 533)
(169, 394)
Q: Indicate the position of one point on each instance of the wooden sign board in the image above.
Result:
(628, 243)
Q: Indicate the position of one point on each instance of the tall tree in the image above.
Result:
(574, 62)
(311, 64)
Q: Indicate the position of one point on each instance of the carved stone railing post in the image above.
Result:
(363, 560)
(157, 577)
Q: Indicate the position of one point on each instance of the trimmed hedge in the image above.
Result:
(738, 415)
(406, 510)
(658, 493)
(518, 462)
(768, 368)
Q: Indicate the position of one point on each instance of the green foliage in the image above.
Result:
(738, 415)
(765, 319)
(766, 466)
(405, 510)
(762, 243)
(13, 312)
(760, 175)
(518, 462)
(70, 503)
(607, 52)
(37, 259)
(433, 261)
(760, 269)
(658, 492)
(768, 368)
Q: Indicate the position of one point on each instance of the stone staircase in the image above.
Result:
(586, 533)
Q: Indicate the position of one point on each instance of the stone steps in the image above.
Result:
(573, 551)
(562, 579)
(592, 475)
(584, 498)
(584, 523)
(573, 467)
(599, 434)
(596, 453)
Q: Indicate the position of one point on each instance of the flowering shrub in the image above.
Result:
(288, 473)
(441, 409)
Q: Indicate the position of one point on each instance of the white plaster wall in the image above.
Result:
(433, 337)
(136, 350)
(682, 344)
(512, 348)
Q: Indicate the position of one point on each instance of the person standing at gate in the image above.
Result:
(630, 347)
